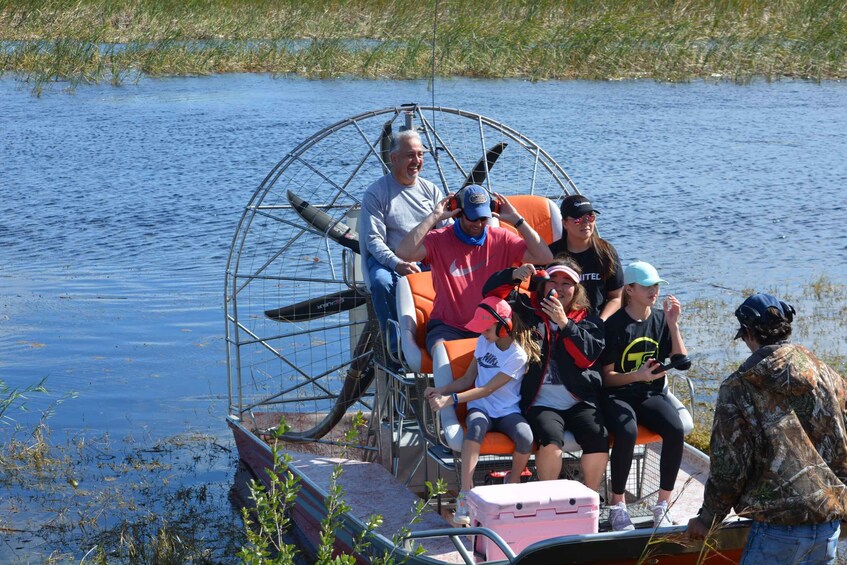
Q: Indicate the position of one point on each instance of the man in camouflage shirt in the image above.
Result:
(779, 445)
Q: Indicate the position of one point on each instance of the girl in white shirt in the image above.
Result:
(491, 387)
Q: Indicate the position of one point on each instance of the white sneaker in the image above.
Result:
(619, 518)
(462, 516)
(661, 516)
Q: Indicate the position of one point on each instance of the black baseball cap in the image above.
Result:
(576, 206)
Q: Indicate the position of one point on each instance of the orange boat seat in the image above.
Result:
(451, 360)
(541, 213)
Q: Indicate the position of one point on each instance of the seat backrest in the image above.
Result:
(363, 225)
(415, 296)
(539, 212)
(684, 414)
(443, 371)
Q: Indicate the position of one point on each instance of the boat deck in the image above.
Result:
(370, 489)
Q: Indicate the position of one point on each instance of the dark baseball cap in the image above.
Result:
(756, 310)
(576, 206)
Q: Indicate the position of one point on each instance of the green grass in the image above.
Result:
(79, 41)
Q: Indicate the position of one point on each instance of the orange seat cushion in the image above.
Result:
(424, 296)
(535, 210)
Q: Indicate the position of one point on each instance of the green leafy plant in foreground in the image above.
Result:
(273, 505)
(265, 541)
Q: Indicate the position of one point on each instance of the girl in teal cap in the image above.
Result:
(639, 338)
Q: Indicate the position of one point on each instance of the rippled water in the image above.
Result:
(119, 205)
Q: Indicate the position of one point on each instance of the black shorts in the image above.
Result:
(584, 421)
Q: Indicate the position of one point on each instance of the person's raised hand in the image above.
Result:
(672, 308)
(524, 272)
(551, 306)
(441, 211)
(507, 212)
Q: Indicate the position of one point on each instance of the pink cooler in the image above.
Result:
(525, 513)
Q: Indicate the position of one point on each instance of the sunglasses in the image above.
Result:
(483, 219)
(745, 313)
(585, 218)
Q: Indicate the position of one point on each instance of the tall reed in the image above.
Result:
(83, 40)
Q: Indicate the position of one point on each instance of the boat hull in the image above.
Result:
(668, 547)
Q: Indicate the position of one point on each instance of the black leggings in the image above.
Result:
(657, 414)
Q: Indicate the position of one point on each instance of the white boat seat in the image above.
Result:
(415, 297)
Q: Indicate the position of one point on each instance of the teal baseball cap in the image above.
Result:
(643, 273)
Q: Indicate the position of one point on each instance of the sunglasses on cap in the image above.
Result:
(589, 217)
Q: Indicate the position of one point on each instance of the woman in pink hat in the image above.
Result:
(491, 388)
(561, 392)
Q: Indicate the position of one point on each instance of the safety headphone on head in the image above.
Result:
(504, 325)
(536, 282)
(455, 202)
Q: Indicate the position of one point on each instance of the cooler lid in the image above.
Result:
(525, 499)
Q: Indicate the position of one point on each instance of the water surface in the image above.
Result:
(119, 204)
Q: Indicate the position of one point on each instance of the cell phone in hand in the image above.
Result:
(552, 293)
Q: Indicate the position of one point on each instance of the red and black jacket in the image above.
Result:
(575, 347)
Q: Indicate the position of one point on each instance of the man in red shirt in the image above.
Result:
(465, 254)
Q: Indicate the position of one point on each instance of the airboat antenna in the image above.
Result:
(432, 76)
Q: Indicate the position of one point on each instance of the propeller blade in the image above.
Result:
(385, 146)
(324, 223)
(483, 166)
(318, 307)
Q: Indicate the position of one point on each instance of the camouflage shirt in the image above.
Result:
(779, 441)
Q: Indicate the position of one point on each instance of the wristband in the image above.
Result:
(455, 398)
(519, 223)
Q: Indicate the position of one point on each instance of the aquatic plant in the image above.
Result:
(266, 542)
(111, 505)
(266, 532)
(78, 41)
(16, 397)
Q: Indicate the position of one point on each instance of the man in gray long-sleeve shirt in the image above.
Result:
(392, 206)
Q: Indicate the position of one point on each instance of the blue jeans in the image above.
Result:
(806, 544)
(383, 296)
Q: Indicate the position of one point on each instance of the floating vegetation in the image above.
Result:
(82, 41)
(119, 502)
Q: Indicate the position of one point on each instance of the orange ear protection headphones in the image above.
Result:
(455, 202)
(536, 282)
(504, 326)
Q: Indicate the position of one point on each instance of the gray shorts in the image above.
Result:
(513, 425)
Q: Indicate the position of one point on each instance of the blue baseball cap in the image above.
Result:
(643, 273)
(476, 203)
(755, 310)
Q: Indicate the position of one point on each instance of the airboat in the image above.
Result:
(303, 347)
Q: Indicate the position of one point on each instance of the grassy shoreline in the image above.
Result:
(86, 41)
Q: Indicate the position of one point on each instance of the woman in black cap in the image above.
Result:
(602, 276)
